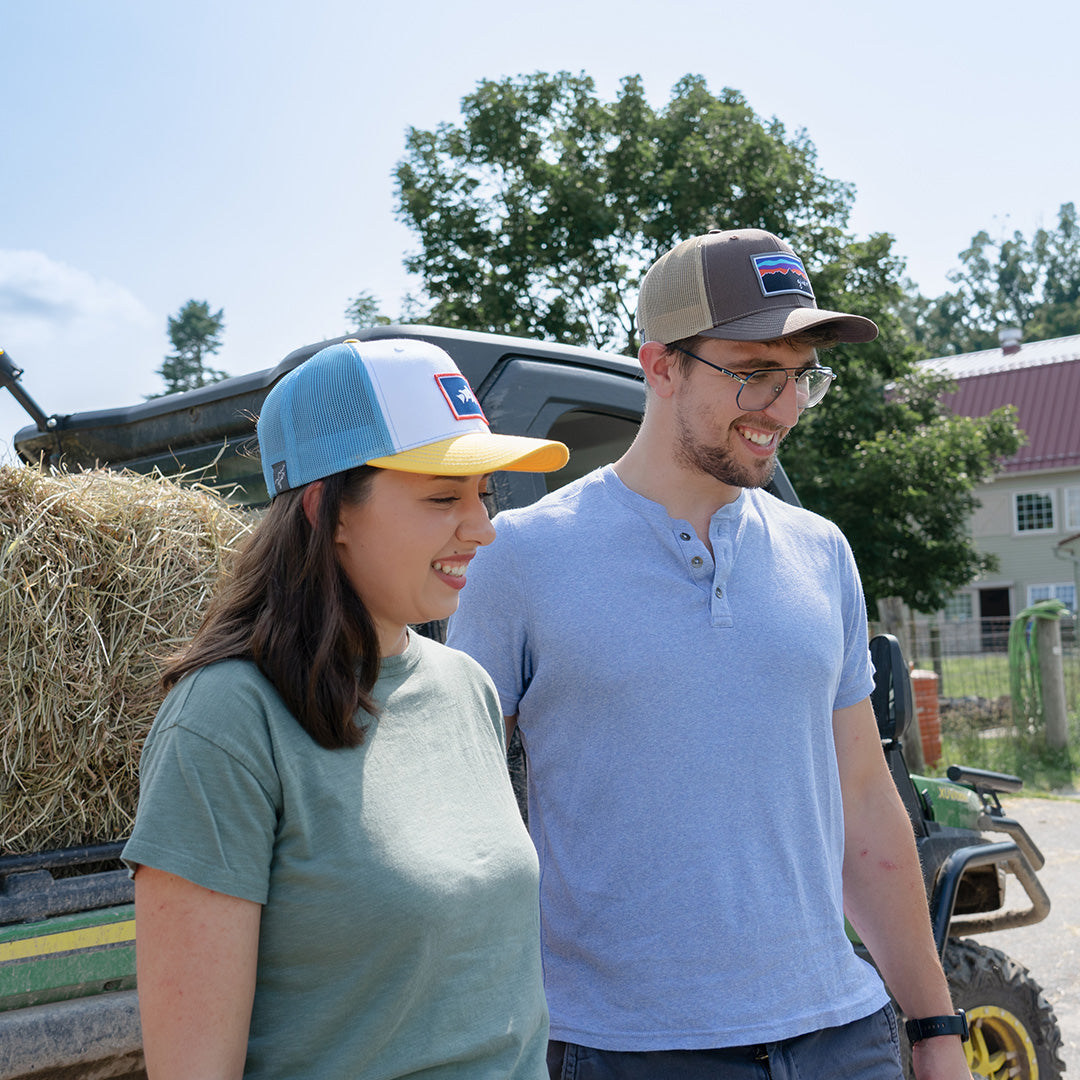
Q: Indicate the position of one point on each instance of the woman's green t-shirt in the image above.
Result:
(400, 927)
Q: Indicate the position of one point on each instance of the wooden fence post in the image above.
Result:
(1052, 678)
(935, 656)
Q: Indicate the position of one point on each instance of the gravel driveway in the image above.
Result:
(1050, 950)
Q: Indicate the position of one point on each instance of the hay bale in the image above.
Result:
(102, 576)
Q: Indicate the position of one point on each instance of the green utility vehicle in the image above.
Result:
(68, 1004)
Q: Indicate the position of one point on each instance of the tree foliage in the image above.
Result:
(882, 457)
(540, 212)
(1013, 281)
(195, 333)
(363, 311)
(903, 493)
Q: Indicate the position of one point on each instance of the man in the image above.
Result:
(686, 659)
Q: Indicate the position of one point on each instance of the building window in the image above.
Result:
(1034, 511)
(959, 608)
(1065, 592)
(1072, 508)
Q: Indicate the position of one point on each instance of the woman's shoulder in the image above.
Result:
(221, 677)
(216, 697)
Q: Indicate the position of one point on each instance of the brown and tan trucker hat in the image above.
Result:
(739, 285)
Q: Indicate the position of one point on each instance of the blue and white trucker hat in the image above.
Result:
(397, 403)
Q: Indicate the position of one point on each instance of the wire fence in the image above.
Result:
(971, 661)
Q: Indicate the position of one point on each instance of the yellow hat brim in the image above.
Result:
(479, 452)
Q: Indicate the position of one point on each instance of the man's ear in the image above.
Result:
(658, 366)
(312, 500)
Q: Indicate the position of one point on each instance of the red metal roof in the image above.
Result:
(1046, 393)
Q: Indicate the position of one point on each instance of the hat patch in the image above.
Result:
(280, 472)
(460, 397)
(779, 273)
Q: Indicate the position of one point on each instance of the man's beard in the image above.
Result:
(720, 462)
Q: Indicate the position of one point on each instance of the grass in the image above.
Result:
(1024, 755)
(985, 676)
(977, 725)
(985, 738)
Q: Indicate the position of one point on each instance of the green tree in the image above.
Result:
(363, 311)
(195, 333)
(539, 214)
(904, 493)
(1012, 281)
(882, 457)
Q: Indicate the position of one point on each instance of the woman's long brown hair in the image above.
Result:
(288, 606)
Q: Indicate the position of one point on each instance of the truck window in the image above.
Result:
(594, 439)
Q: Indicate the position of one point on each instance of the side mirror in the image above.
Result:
(892, 699)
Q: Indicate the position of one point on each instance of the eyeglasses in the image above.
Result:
(759, 389)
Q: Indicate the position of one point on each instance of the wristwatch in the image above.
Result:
(929, 1026)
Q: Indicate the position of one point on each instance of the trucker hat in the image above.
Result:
(739, 285)
(398, 403)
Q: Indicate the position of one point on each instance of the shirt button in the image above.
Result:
(684, 536)
(696, 560)
(719, 592)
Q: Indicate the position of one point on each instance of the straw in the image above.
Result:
(103, 575)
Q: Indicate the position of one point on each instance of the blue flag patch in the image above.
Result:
(460, 397)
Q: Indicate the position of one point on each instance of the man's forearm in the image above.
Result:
(886, 903)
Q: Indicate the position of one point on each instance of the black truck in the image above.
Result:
(68, 1005)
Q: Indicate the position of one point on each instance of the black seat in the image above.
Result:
(894, 710)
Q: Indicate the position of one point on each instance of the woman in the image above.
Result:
(331, 875)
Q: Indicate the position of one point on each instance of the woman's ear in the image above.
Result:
(311, 500)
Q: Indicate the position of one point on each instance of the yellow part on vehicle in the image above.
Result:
(68, 941)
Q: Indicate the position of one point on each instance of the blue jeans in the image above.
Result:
(867, 1049)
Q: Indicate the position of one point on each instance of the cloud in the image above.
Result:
(83, 342)
(50, 297)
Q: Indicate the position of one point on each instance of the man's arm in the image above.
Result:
(884, 897)
(511, 723)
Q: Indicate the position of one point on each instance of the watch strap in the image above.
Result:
(930, 1026)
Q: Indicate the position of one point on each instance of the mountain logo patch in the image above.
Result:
(779, 273)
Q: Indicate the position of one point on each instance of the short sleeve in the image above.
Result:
(491, 621)
(209, 795)
(857, 676)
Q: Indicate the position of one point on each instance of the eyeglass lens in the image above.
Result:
(763, 387)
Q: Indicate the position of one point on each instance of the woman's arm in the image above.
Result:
(195, 954)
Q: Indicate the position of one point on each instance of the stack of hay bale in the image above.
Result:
(102, 576)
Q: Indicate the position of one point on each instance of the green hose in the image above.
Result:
(1025, 683)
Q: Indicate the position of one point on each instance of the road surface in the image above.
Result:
(1050, 950)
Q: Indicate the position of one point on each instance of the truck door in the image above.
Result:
(595, 412)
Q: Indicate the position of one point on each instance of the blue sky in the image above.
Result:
(242, 152)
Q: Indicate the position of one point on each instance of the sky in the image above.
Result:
(243, 153)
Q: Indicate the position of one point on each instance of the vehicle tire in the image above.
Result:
(1014, 1032)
